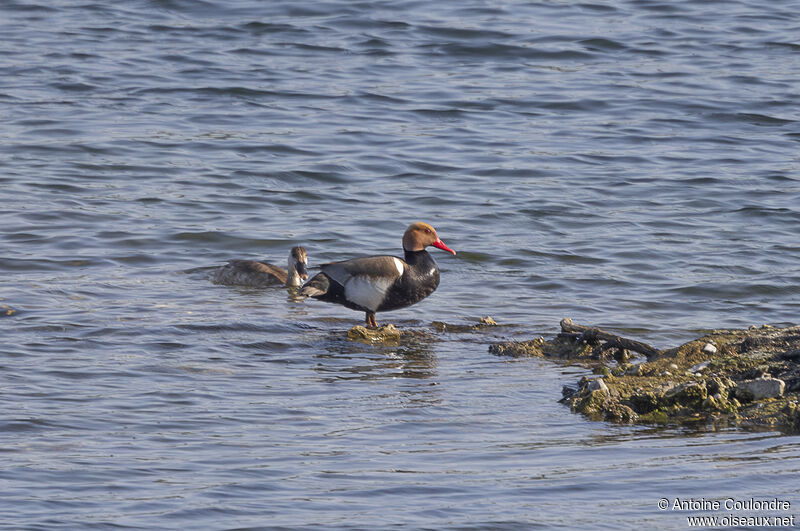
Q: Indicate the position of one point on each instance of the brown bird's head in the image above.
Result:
(419, 235)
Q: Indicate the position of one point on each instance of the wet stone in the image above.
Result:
(519, 349)
(751, 378)
(760, 388)
(700, 367)
(483, 323)
(687, 394)
(382, 333)
(597, 385)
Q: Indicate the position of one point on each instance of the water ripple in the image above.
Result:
(628, 164)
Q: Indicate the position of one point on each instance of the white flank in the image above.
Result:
(368, 292)
(399, 265)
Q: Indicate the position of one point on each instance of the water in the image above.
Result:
(630, 164)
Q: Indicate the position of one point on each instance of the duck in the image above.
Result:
(382, 283)
(257, 274)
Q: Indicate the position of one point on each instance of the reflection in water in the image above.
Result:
(410, 356)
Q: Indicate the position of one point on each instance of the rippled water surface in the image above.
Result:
(630, 164)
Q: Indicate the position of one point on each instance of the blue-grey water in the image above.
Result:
(632, 164)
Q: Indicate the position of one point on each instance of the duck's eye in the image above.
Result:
(427, 231)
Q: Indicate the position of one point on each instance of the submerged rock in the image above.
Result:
(483, 322)
(391, 335)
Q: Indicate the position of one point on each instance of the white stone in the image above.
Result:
(710, 348)
(596, 385)
(700, 367)
(765, 387)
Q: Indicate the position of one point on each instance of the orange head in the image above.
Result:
(419, 235)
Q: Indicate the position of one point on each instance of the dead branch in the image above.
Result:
(593, 335)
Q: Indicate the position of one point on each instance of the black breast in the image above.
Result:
(420, 279)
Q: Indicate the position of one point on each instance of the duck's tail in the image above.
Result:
(317, 286)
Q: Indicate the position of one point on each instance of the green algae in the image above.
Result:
(482, 324)
(391, 335)
(562, 347)
(700, 382)
(383, 333)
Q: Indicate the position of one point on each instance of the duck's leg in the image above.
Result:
(370, 318)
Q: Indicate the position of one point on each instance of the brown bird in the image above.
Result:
(382, 283)
(261, 274)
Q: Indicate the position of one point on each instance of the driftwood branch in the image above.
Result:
(594, 335)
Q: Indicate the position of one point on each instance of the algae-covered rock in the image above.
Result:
(594, 399)
(519, 349)
(749, 378)
(617, 412)
(483, 322)
(689, 394)
(382, 333)
(562, 347)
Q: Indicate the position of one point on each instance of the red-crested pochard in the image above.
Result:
(261, 274)
(382, 283)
